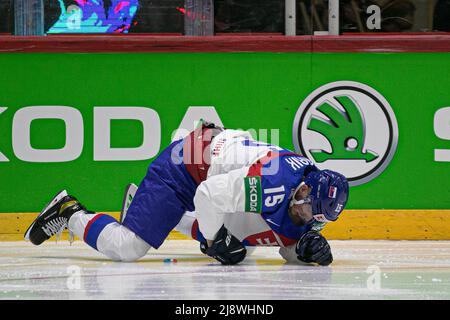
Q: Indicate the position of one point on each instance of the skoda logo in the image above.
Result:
(347, 127)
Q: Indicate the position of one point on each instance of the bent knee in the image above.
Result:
(132, 247)
(134, 252)
(121, 244)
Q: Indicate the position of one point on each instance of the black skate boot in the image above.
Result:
(53, 219)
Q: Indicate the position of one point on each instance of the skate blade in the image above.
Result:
(128, 196)
(55, 200)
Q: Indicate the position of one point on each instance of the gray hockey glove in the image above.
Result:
(226, 248)
(313, 247)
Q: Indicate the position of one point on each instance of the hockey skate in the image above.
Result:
(128, 196)
(53, 219)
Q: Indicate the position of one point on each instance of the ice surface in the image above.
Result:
(361, 270)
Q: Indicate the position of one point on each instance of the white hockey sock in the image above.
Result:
(104, 234)
(78, 222)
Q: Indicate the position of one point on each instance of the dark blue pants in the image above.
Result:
(164, 195)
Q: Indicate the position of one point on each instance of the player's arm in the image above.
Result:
(312, 247)
(215, 198)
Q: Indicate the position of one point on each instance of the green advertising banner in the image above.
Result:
(92, 123)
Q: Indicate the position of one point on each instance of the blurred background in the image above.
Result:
(222, 16)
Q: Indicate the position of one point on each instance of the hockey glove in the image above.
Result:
(226, 248)
(313, 247)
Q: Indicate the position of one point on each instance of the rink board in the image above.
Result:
(352, 225)
(409, 199)
(268, 97)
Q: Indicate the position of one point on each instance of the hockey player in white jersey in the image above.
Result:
(222, 188)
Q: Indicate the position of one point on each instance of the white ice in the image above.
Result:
(361, 270)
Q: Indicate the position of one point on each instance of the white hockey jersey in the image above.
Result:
(248, 189)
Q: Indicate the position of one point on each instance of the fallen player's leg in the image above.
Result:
(106, 235)
(163, 196)
(102, 232)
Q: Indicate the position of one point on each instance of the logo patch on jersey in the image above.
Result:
(253, 194)
(332, 192)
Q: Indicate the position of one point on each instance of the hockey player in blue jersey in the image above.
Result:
(222, 188)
